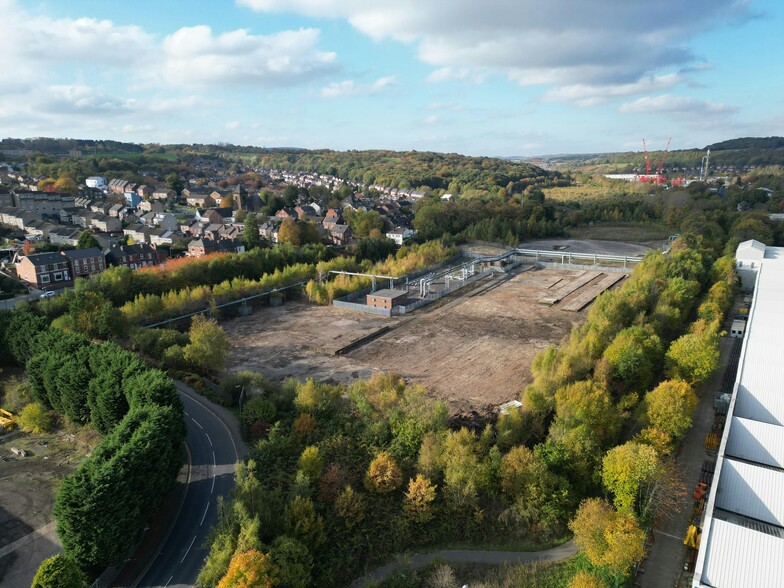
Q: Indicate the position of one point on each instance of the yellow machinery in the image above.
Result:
(7, 420)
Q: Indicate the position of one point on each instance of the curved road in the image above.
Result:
(215, 449)
(559, 553)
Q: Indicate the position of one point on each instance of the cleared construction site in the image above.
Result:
(472, 347)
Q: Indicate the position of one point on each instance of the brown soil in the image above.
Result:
(472, 349)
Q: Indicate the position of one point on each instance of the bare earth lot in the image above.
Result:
(472, 349)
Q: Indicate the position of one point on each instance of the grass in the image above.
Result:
(628, 232)
(577, 193)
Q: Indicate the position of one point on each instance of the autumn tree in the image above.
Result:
(417, 504)
(584, 579)
(303, 523)
(350, 506)
(310, 463)
(293, 560)
(36, 419)
(58, 571)
(208, 345)
(608, 537)
(670, 406)
(634, 356)
(383, 475)
(693, 357)
(250, 569)
(625, 469)
(585, 403)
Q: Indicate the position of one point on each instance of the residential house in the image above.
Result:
(40, 203)
(287, 212)
(105, 223)
(65, 236)
(164, 237)
(101, 207)
(85, 262)
(95, 182)
(133, 256)
(305, 212)
(150, 206)
(164, 194)
(145, 191)
(45, 270)
(332, 218)
(204, 246)
(114, 211)
(400, 234)
(216, 216)
(340, 235)
(269, 230)
(139, 233)
(200, 200)
(132, 199)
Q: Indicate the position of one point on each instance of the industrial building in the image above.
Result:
(743, 527)
(387, 298)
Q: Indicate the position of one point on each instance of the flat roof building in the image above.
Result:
(743, 528)
(387, 298)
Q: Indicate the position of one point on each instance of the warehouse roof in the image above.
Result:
(743, 530)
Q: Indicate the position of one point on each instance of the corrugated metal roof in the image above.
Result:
(737, 557)
(756, 441)
(752, 491)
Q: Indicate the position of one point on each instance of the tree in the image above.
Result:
(583, 579)
(383, 475)
(293, 560)
(36, 419)
(625, 469)
(585, 403)
(670, 406)
(174, 182)
(310, 463)
(608, 537)
(350, 506)
(634, 356)
(58, 571)
(250, 569)
(251, 236)
(417, 503)
(693, 357)
(303, 523)
(87, 240)
(209, 345)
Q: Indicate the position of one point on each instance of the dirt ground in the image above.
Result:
(473, 348)
(27, 489)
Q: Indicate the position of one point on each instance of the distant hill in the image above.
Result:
(748, 143)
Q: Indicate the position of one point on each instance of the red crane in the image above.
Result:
(664, 158)
(647, 162)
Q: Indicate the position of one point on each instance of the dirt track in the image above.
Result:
(473, 349)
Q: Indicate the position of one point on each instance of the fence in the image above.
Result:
(362, 307)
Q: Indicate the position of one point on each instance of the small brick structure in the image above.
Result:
(387, 298)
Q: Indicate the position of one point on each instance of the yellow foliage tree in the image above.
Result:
(625, 469)
(417, 504)
(670, 406)
(250, 569)
(587, 580)
(383, 474)
(350, 506)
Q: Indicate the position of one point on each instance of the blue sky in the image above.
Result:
(497, 77)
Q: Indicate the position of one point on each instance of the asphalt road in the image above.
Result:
(214, 453)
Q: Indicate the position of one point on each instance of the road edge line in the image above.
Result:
(194, 396)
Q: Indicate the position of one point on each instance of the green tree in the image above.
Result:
(311, 463)
(670, 406)
(634, 356)
(303, 523)
(58, 571)
(585, 403)
(626, 469)
(174, 182)
(208, 347)
(293, 560)
(250, 235)
(350, 506)
(87, 240)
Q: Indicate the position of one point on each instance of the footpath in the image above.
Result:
(421, 560)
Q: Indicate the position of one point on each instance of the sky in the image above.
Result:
(489, 77)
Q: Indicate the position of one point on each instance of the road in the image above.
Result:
(215, 450)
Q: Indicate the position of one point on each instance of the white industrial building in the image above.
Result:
(743, 528)
(95, 182)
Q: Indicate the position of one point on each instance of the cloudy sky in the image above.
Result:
(490, 77)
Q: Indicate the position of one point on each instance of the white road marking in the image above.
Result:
(208, 438)
(214, 463)
(213, 483)
(189, 549)
(197, 423)
(167, 582)
(205, 514)
(186, 414)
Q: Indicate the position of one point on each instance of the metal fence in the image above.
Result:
(362, 307)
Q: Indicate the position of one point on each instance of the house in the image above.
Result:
(114, 211)
(340, 235)
(145, 191)
(332, 218)
(150, 206)
(139, 233)
(215, 216)
(387, 298)
(164, 194)
(204, 246)
(106, 224)
(133, 256)
(164, 237)
(400, 234)
(45, 270)
(39, 203)
(65, 236)
(95, 182)
(85, 262)
(132, 199)
(269, 230)
(286, 212)
(305, 212)
(200, 200)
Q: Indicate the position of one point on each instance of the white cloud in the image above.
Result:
(669, 104)
(351, 88)
(196, 56)
(592, 43)
(590, 95)
(235, 124)
(431, 120)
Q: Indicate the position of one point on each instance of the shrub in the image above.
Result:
(36, 419)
